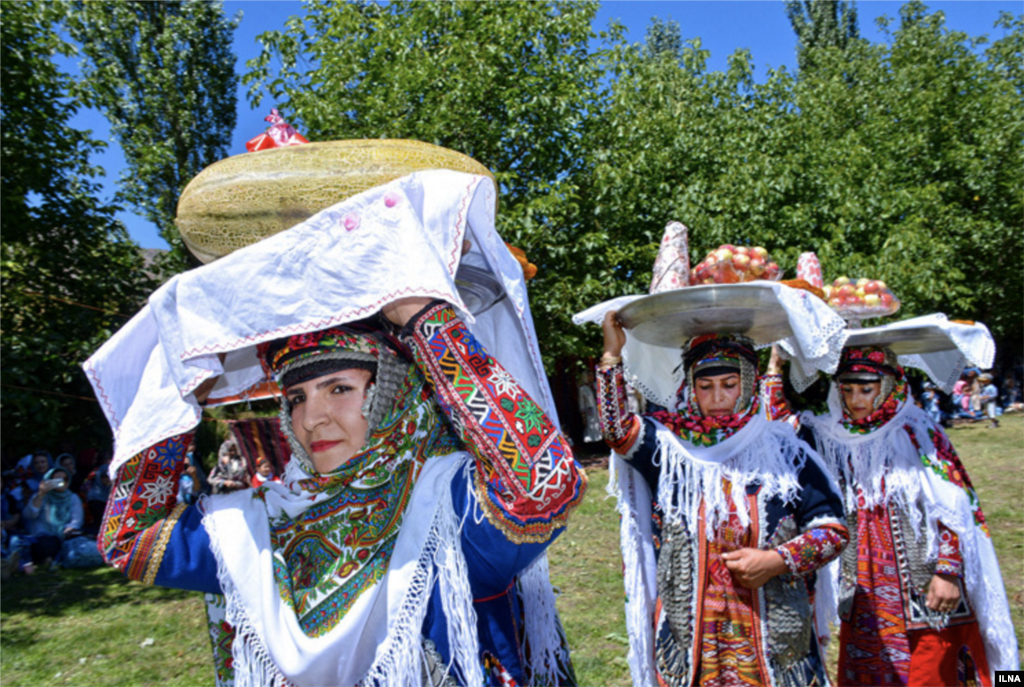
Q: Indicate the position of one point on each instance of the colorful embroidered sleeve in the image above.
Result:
(620, 427)
(526, 478)
(820, 519)
(814, 549)
(146, 534)
(950, 562)
(775, 404)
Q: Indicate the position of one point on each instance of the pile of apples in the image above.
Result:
(861, 298)
(731, 264)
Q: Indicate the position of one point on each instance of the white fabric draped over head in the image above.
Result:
(343, 264)
(656, 371)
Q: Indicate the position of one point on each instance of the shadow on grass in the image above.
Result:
(61, 593)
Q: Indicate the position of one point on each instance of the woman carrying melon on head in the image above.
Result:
(726, 516)
(404, 544)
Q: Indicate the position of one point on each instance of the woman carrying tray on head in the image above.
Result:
(921, 600)
(726, 517)
(405, 542)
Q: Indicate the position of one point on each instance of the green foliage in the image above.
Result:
(822, 24)
(164, 75)
(62, 249)
(899, 161)
(513, 85)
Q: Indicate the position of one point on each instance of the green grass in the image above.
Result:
(85, 628)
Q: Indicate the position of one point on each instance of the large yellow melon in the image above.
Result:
(246, 198)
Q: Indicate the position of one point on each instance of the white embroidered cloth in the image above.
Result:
(972, 343)
(817, 340)
(345, 263)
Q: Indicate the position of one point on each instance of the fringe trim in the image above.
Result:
(400, 659)
(543, 628)
(623, 483)
(771, 460)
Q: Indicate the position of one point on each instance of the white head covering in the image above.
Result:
(343, 264)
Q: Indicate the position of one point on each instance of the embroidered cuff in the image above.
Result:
(619, 427)
(814, 548)
(950, 562)
(774, 399)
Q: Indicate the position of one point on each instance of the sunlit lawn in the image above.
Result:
(87, 628)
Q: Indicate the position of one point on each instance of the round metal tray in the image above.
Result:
(479, 288)
(671, 318)
(903, 341)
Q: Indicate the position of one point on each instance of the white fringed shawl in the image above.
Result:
(865, 460)
(763, 452)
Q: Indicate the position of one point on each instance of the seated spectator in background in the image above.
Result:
(987, 396)
(9, 519)
(264, 473)
(231, 472)
(193, 480)
(97, 490)
(931, 402)
(1010, 395)
(33, 474)
(70, 464)
(52, 515)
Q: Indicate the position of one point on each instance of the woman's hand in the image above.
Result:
(202, 391)
(399, 312)
(751, 568)
(774, 361)
(943, 593)
(614, 334)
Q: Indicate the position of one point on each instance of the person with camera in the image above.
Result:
(52, 515)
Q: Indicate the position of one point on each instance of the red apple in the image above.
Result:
(871, 287)
(741, 261)
(845, 291)
(841, 281)
(756, 267)
(759, 252)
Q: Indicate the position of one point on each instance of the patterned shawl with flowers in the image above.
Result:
(332, 536)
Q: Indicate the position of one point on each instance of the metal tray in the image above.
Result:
(903, 341)
(671, 318)
(479, 288)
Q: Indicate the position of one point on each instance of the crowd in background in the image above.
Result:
(976, 396)
(51, 506)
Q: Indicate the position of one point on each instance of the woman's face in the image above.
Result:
(859, 398)
(716, 396)
(68, 463)
(40, 464)
(327, 416)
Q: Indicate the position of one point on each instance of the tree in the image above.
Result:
(899, 161)
(163, 73)
(663, 38)
(822, 24)
(69, 273)
(513, 85)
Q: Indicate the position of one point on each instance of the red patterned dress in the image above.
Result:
(888, 635)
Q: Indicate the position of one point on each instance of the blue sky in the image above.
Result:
(723, 26)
